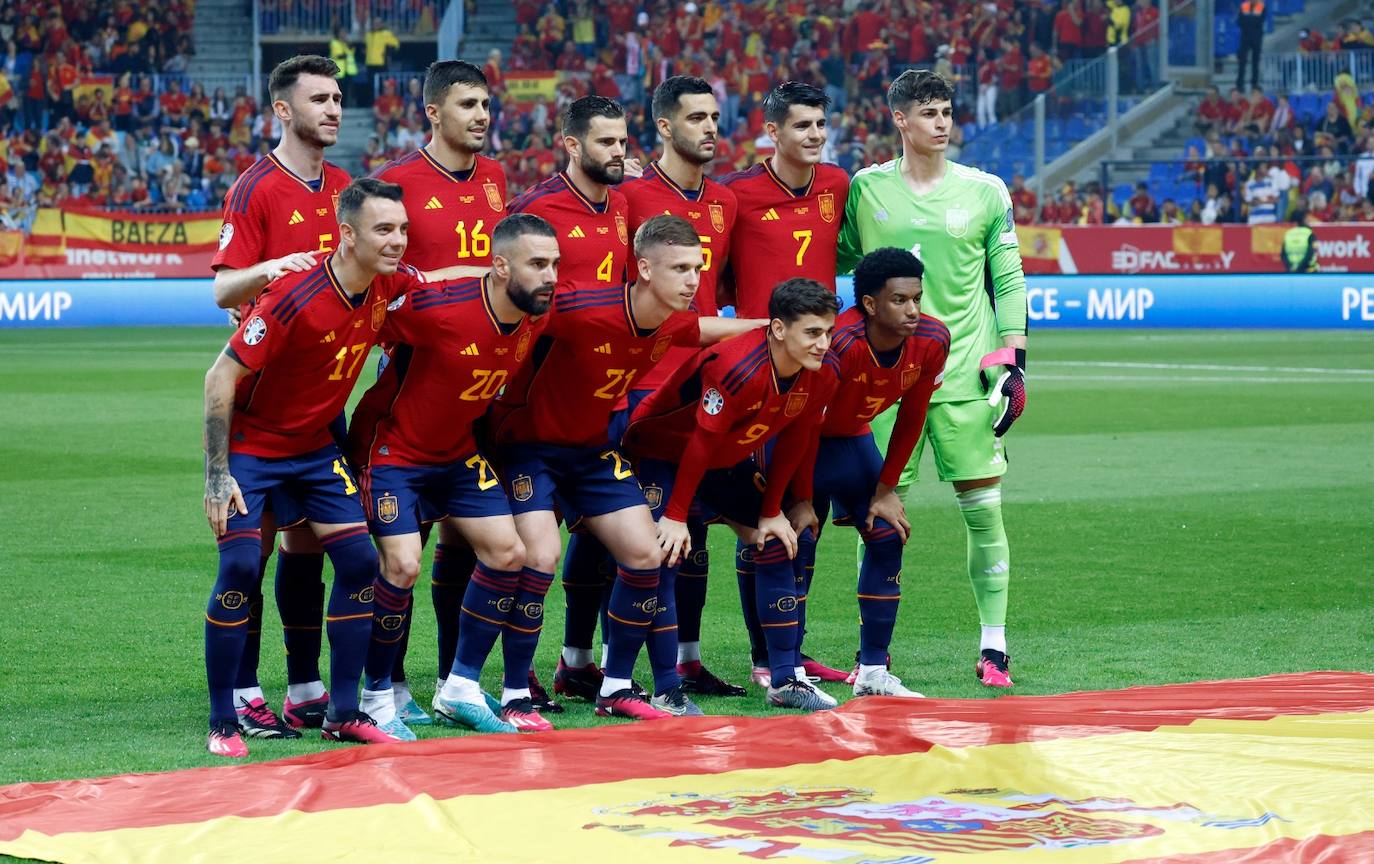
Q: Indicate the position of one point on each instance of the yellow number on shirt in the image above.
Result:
(486, 478)
(621, 469)
(326, 243)
(872, 405)
(705, 253)
(753, 433)
(339, 469)
(486, 384)
(358, 351)
(619, 384)
(480, 247)
(604, 270)
(804, 236)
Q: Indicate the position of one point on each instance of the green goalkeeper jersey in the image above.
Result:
(964, 235)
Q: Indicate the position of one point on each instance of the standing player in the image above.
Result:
(279, 218)
(454, 197)
(466, 339)
(697, 436)
(887, 351)
(269, 399)
(790, 208)
(592, 221)
(958, 220)
(552, 422)
(687, 115)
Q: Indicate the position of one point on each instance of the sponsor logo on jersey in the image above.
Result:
(956, 222)
(712, 402)
(434, 203)
(466, 199)
(321, 211)
(770, 215)
(522, 488)
(471, 350)
(622, 230)
(577, 233)
(522, 347)
(827, 201)
(795, 403)
(717, 216)
(255, 331)
(909, 376)
(661, 348)
(493, 197)
(226, 234)
(378, 314)
(654, 496)
(296, 218)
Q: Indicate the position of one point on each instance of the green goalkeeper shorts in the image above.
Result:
(960, 436)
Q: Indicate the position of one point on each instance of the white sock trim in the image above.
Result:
(508, 695)
(307, 692)
(459, 689)
(248, 694)
(986, 496)
(993, 638)
(577, 657)
(688, 652)
(380, 705)
(610, 685)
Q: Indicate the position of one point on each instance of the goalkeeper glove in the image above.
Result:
(1004, 377)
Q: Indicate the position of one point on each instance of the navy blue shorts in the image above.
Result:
(734, 493)
(847, 471)
(398, 498)
(316, 486)
(575, 481)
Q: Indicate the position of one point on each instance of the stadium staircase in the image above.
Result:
(491, 25)
(223, 36)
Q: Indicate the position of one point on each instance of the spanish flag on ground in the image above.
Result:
(1270, 769)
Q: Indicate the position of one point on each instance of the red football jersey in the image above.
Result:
(593, 239)
(711, 210)
(456, 347)
(305, 341)
(589, 355)
(867, 388)
(716, 411)
(270, 212)
(451, 213)
(782, 232)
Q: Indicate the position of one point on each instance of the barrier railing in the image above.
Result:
(403, 17)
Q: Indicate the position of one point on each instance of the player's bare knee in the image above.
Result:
(642, 557)
(401, 570)
(543, 557)
(504, 556)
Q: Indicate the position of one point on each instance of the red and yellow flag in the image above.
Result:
(1268, 769)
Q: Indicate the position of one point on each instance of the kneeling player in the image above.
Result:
(887, 351)
(269, 399)
(466, 339)
(697, 436)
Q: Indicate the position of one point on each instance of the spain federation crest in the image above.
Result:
(827, 202)
(621, 229)
(654, 496)
(493, 197)
(388, 508)
(378, 314)
(717, 212)
(660, 348)
(909, 376)
(956, 222)
(522, 488)
(795, 403)
(522, 347)
(334, 201)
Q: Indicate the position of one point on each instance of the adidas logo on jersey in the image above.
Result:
(603, 348)
(296, 218)
(770, 216)
(434, 203)
(577, 232)
(471, 350)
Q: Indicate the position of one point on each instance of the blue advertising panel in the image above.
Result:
(108, 303)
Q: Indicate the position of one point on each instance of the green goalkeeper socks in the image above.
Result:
(989, 559)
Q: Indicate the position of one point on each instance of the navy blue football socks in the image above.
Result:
(227, 618)
(584, 582)
(486, 606)
(453, 566)
(521, 636)
(349, 620)
(663, 633)
(252, 645)
(300, 602)
(745, 577)
(633, 603)
(776, 601)
(880, 592)
(390, 616)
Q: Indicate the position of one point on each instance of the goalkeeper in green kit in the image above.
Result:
(958, 221)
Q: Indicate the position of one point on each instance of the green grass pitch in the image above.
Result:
(1182, 505)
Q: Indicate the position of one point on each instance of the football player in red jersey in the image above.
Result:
(698, 434)
(581, 203)
(424, 464)
(279, 218)
(790, 210)
(685, 110)
(552, 424)
(454, 197)
(888, 351)
(269, 399)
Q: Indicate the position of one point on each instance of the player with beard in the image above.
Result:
(592, 221)
(424, 464)
(686, 113)
(454, 196)
(279, 218)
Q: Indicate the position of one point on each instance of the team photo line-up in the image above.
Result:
(559, 357)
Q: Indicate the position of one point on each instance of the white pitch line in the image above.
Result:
(1031, 378)
(1207, 367)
